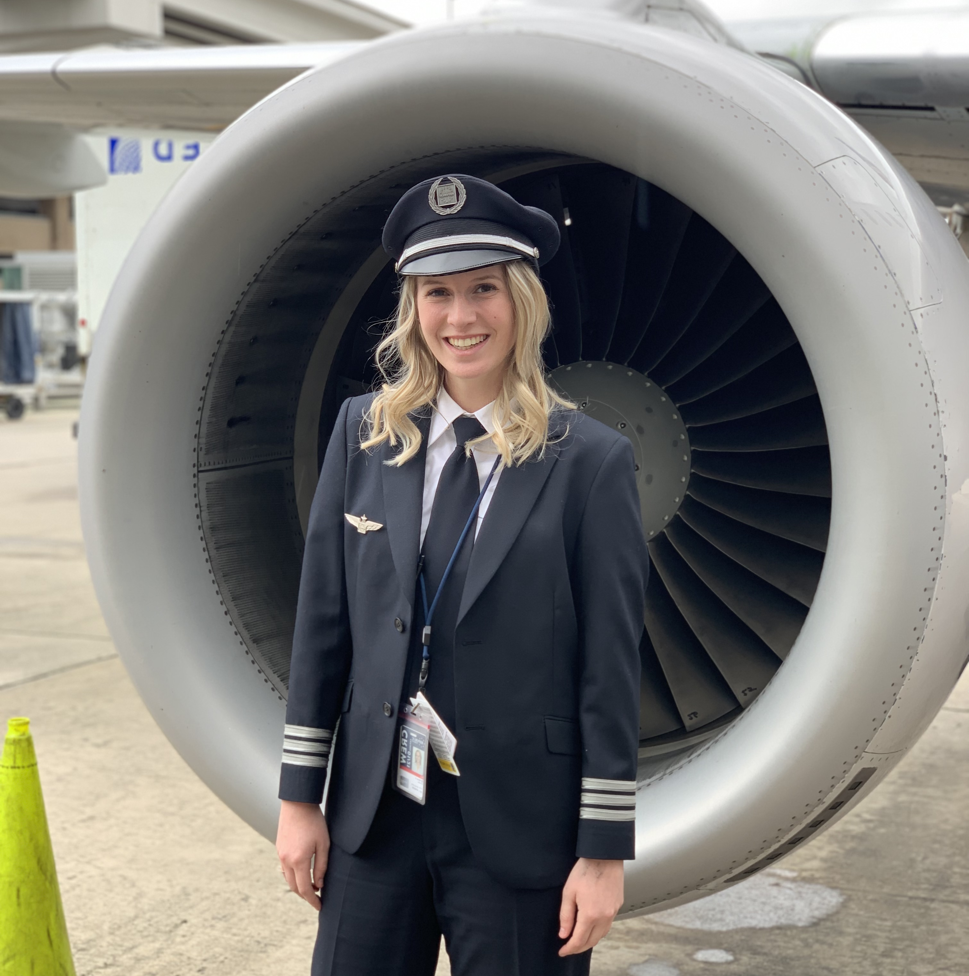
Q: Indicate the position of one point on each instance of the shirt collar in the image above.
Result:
(446, 411)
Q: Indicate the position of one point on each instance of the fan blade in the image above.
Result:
(800, 518)
(757, 341)
(799, 424)
(564, 345)
(792, 568)
(703, 258)
(700, 693)
(600, 203)
(744, 660)
(365, 328)
(655, 237)
(801, 471)
(785, 379)
(773, 616)
(739, 295)
(657, 709)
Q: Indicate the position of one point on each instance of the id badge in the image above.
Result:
(410, 776)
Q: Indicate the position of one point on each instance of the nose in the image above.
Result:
(461, 313)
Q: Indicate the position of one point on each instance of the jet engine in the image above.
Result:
(750, 288)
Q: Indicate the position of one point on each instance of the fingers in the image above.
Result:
(580, 937)
(299, 877)
(567, 913)
(320, 860)
(586, 936)
(304, 884)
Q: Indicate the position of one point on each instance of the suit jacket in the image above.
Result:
(546, 648)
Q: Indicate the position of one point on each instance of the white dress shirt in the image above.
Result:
(440, 445)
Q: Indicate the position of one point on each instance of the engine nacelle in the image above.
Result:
(750, 288)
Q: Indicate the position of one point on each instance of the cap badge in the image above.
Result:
(447, 195)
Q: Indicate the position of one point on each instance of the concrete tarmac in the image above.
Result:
(160, 879)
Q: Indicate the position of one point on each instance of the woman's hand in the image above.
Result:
(303, 846)
(593, 891)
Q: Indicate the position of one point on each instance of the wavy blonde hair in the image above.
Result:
(412, 377)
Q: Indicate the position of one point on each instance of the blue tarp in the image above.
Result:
(16, 343)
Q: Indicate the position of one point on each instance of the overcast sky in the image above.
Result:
(429, 11)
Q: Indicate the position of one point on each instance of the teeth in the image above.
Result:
(464, 343)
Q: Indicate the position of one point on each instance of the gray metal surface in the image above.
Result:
(868, 277)
(627, 401)
(38, 160)
(904, 59)
(191, 88)
(903, 76)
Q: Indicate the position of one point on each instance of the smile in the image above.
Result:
(465, 342)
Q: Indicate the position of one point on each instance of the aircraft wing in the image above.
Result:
(185, 88)
(45, 99)
(903, 76)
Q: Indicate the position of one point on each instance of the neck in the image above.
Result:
(471, 394)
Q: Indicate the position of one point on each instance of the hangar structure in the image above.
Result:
(752, 288)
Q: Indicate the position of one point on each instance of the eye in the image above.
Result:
(435, 292)
(487, 286)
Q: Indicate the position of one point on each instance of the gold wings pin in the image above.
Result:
(362, 524)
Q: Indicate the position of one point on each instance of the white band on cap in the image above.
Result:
(458, 240)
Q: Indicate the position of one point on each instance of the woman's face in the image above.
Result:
(468, 322)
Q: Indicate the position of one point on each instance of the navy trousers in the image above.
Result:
(415, 879)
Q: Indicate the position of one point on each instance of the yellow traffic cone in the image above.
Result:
(33, 933)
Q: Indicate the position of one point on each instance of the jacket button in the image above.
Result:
(399, 624)
(388, 709)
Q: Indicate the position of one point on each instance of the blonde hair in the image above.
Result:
(412, 377)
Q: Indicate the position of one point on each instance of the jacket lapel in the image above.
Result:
(516, 494)
(403, 502)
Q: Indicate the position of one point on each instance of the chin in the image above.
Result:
(470, 371)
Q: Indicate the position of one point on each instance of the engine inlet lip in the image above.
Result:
(739, 161)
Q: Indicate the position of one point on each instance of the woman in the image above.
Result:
(474, 569)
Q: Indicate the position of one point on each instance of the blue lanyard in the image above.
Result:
(429, 610)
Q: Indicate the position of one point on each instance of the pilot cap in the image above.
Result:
(457, 223)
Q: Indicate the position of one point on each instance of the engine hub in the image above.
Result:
(637, 407)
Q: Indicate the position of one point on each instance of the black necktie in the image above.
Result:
(457, 491)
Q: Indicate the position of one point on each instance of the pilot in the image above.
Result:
(465, 660)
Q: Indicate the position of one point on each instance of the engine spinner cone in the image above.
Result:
(631, 403)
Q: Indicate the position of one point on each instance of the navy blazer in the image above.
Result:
(546, 648)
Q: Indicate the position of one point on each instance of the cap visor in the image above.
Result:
(451, 262)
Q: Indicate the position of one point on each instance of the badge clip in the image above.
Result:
(441, 737)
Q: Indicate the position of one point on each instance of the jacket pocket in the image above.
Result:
(347, 696)
(562, 736)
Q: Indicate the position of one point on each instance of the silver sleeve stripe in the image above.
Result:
(307, 732)
(610, 785)
(591, 813)
(609, 800)
(320, 762)
(301, 745)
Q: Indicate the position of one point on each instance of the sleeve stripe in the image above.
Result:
(592, 813)
(609, 785)
(608, 800)
(307, 732)
(320, 762)
(294, 745)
